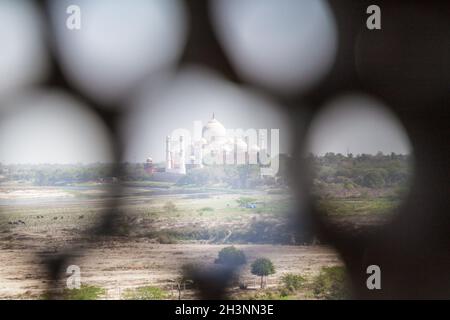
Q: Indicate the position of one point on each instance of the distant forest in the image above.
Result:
(56, 174)
(338, 175)
(330, 171)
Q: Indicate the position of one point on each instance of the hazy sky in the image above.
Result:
(119, 42)
(286, 45)
(50, 128)
(194, 95)
(22, 54)
(358, 124)
(283, 44)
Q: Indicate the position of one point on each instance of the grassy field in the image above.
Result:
(212, 218)
(163, 227)
(357, 206)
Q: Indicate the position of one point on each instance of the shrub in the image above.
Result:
(145, 293)
(206, 209)
(373, 179)
(349, 186)
(86, 292)
(268, 295)
(245, 201)
(284, 292)
(292, 282)
(331, 284)
(243, 286)
(165, 238)
(231, 257)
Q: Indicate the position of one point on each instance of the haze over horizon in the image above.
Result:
(56, 130)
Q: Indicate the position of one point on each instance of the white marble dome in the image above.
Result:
(214, 129)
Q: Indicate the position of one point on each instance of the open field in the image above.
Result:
(117, 265)
(162, 227)
(183, 214)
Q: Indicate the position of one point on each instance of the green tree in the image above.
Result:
(185, 277)
(373, 179)
(262, 267)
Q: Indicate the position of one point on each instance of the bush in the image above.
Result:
(165, 238)
(349, 186)
(331, 284)
(145, 293)
(292, 282)
(189, 269)
(231, 257)
(373, 179)
(245, 201)
(243, 286)
(268, 294)
(201, 211)
(86, 292)
(284, 292)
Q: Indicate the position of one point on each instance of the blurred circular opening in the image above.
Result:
(53, 153)
(286, 45)
(118, 44)
(206, 207)
(55, 166)
(361, 160)
(51, 128)
(408, 60)
(22, 58)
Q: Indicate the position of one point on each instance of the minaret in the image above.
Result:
(199, 153)
(168, 154)
(182, 165)
(247, 155)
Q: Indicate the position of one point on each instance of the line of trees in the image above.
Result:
(241, 176)
(371, 171)
(235, 258)
(57, 174)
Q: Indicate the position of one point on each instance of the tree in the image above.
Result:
(231, 257)
(373, 179)
(184, 277)
(262, 267)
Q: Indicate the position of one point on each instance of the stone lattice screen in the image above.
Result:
(406, 65)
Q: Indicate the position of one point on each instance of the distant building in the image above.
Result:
(149, 167)
(214, 144)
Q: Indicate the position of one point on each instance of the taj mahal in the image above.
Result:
(215, 146)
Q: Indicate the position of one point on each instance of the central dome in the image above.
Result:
(214, 130)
